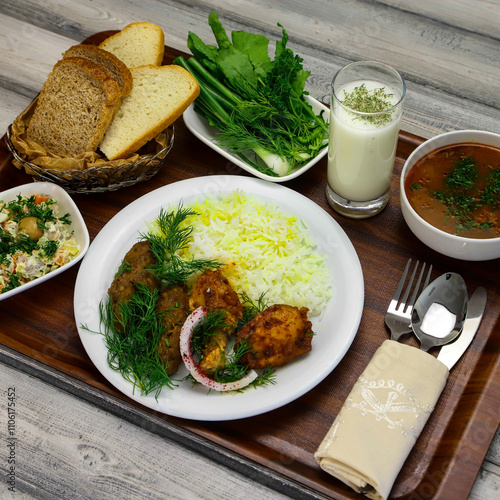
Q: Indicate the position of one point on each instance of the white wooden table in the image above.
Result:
(447, 51)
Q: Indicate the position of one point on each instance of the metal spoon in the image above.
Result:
(439, 313)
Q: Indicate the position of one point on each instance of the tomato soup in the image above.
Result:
(457, 189)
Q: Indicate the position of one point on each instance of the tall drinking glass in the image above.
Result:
(365, 116)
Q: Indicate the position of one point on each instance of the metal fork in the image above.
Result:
(398, 316)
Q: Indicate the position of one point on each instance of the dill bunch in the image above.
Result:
(167, 240)
(134, 353)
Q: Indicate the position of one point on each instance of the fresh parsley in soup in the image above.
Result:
(457, 189)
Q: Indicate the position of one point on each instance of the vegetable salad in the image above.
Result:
(34, 240)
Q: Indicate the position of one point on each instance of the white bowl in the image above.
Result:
(66, 205)
(200, 127)
(457, 247)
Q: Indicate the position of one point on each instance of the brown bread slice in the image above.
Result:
(159, 96)
(108, 61)
(75, 107)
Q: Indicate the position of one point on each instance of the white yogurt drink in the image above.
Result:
(365, 117)
(361, 152)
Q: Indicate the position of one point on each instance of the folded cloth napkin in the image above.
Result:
(381, 419)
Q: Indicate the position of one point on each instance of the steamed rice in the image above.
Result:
(263, 250)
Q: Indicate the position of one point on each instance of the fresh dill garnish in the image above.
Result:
(250, 308)
(232, 369)
(485, 225)
(124, 267)
(268, 376)
(369, 101)
(206, 329)
(170, 238)
(134, 353)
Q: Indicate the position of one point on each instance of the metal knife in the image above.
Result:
(451, 353)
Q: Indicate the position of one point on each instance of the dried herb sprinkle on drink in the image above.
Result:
(370, 101)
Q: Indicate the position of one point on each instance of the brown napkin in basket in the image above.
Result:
(32, 152)
(381, 419)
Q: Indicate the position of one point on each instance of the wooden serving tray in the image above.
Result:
(38, 334)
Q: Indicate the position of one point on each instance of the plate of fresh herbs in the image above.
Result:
(252, 109)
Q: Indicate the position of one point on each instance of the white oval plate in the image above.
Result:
(334, 330)
(200, 127)
(66, 205)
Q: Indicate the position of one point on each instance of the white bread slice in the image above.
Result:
(75, 107)
(108, 61)
(138, 44)
(159, 96)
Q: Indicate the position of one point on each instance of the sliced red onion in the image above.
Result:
(186, 338)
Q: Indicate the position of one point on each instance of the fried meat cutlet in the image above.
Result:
(135, 269)
(173, 305)
(277, 335)
(213, 291)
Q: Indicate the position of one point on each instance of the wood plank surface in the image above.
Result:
(447, 52)
(75, 450)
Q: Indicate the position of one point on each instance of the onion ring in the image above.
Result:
(186, 338)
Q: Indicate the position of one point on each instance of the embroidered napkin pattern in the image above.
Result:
(382, 418)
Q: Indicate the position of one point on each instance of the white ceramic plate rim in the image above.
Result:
(66, 205)
(200, 127)
(335, 329)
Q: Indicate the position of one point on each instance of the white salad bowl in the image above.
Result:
(458, 247)
(200, 127)
(66, 205)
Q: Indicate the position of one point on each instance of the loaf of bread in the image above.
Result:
(159, 96)
(108, 61)
(138, 44)
(75, 107)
